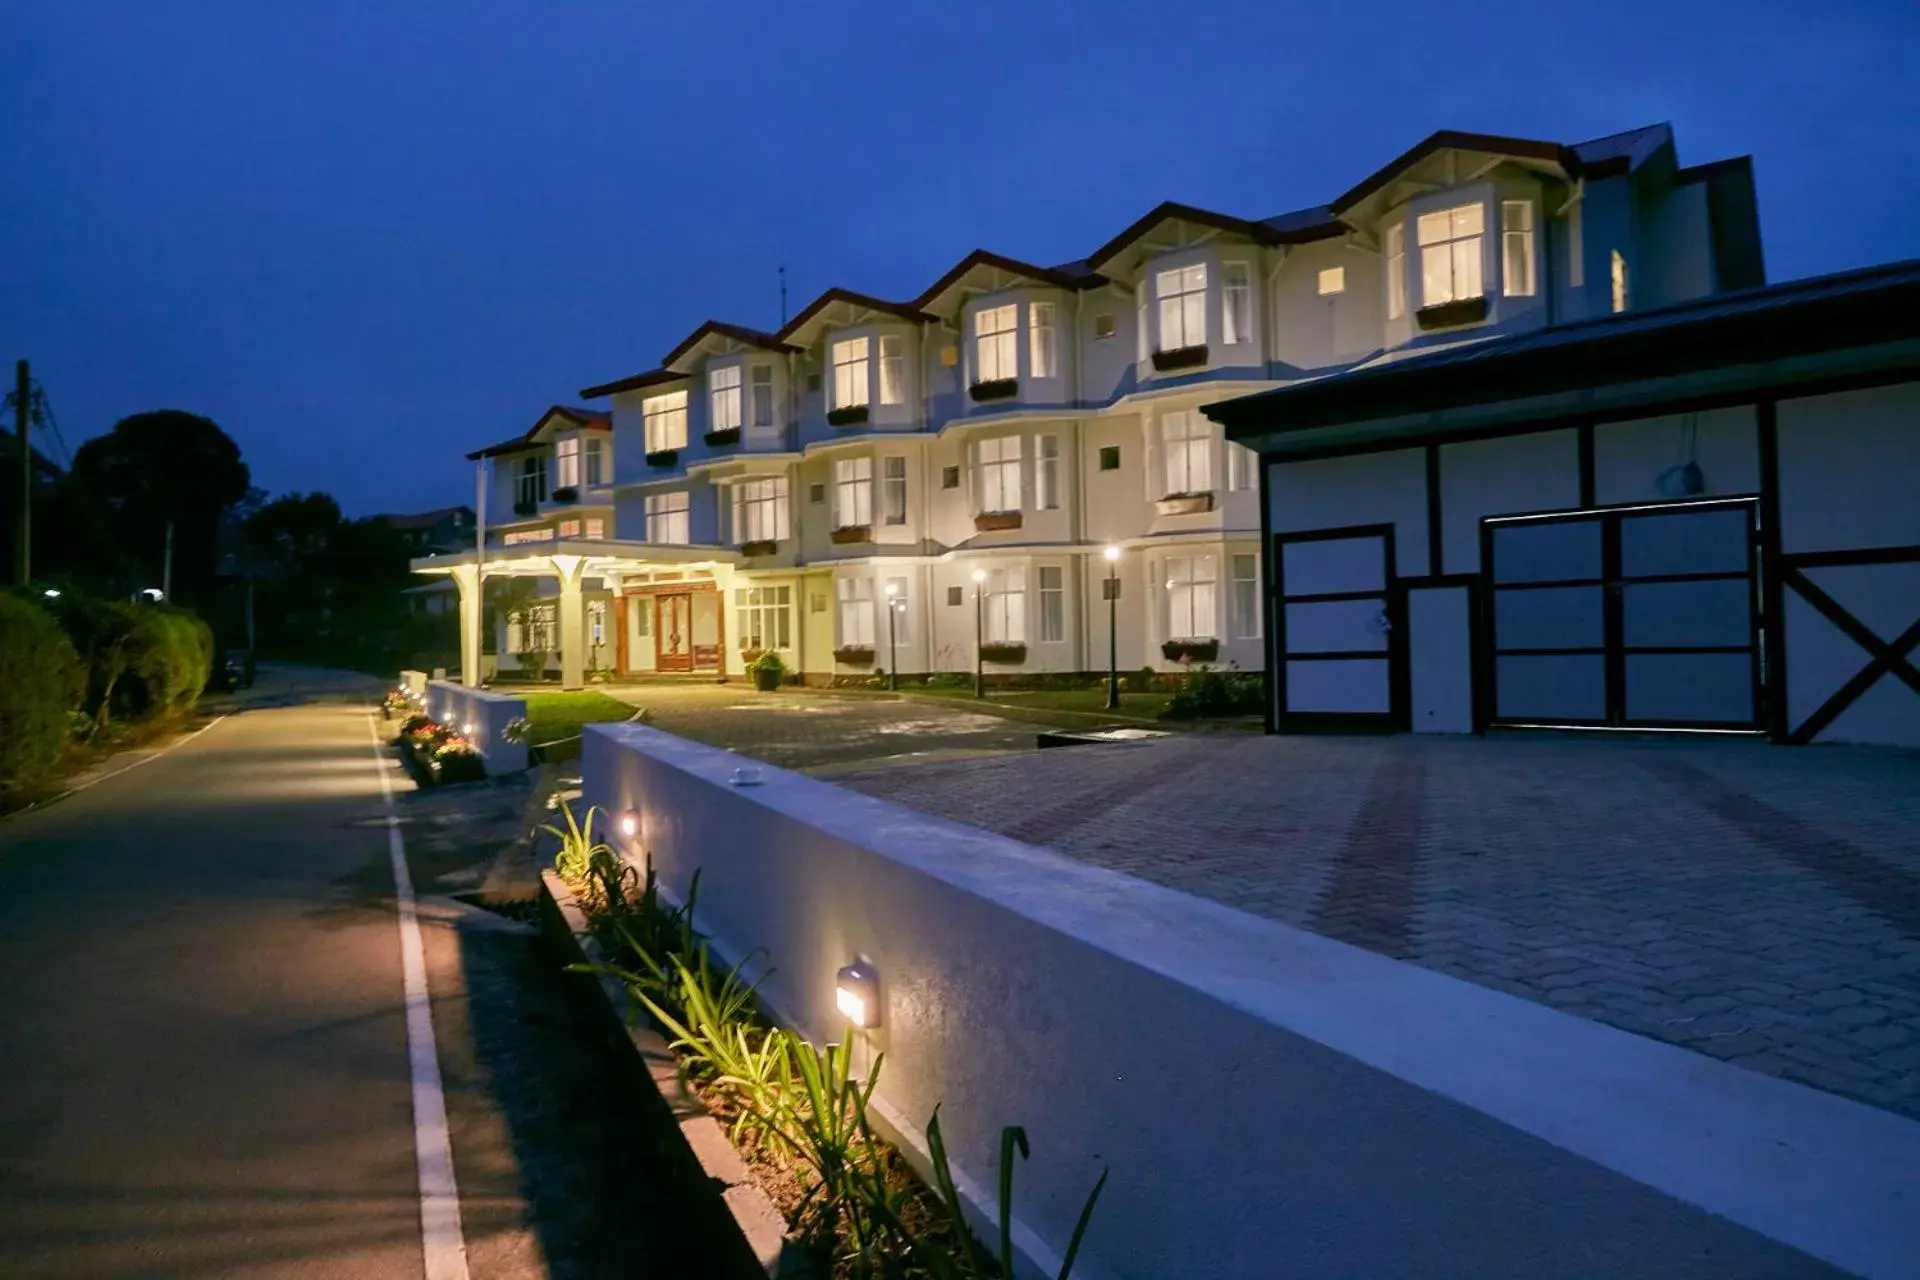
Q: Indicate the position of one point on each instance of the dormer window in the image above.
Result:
(723, 398)
(594, 450)
(1393, 248)
(666, 421)
(762, 393)
(530, 486)
(850, 364)
(1516, 248)
(893, 369)
(996, 343)
(1182, 293)
(1042, 358)
(1450, 254)
(566, 458)
(1236, 304)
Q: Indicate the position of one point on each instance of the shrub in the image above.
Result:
(950, 680)
(1205, 693)
(40, 680)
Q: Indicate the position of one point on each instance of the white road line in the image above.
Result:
(441, 1238)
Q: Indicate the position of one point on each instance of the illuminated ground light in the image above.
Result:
(857, 994)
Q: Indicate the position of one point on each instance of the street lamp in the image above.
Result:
(893, 655)
(1112, 588)
(979, 629)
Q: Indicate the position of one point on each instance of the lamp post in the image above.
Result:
(893, 656)
(1112, 585)
(979, 630)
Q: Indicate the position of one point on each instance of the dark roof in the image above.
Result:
(738, 332)
(905, 310)
(1616, 153)
(1747, 326)
(424, 519)
(1074, 275)
(1289, 228)
(590, 419)
(652, 377)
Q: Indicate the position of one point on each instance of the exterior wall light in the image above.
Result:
(467, 728)
(857, 994)
(629, 824)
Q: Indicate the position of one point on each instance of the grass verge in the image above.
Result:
(557, 717)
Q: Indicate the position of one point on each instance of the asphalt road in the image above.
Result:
(203, 1051)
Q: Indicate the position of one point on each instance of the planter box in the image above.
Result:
(759, 547)
(1191, 650)
(526, 508)
(1004, 654)
(853, 533)
(854, 655)
(988, 521)
(663, 457)
(995, 389)
(1180, 358)
(852, 415)
(1447, 314)
(565, 493)
(719, 439)
(766, 679)
(1185, 504)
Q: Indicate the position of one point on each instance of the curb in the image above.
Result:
(734, 1217)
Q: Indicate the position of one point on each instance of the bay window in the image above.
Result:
(1236, 304)
(856, 611)
(852, 492)
(1004, 606)
(1182, 293)
(1450, 253)
(763, 617)
(1243, 468)
(1246, 597)
(566, 460)
(1393, 247)
(996, 352)
(762, 395)
(667, 518)
(850, 373)
(998, 466)
(1187, 449)
(893, 490)
(666, 420)
(1053, 603)
(760, 510)
(893, 369)
(1043, 341)
(1516, 248)
(723, 399)
(595, 453)
(1046, 476)
(530, 485)
(1189, 611)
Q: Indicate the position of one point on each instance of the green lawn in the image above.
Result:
(557, 715)
(1143, 706)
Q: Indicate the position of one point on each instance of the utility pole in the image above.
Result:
(166, 568)
(23, 533)
(783, 297)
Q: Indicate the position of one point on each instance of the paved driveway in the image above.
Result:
(825, 733)
(1759, 904)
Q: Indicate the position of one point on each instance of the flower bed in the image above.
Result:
(435, 753)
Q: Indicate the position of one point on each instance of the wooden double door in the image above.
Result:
(671, 632)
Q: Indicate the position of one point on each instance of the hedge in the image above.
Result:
(40, 681)
(140, 659)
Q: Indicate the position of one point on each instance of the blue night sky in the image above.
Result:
(368, 237)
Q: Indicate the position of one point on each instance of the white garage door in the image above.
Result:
(1640, 617)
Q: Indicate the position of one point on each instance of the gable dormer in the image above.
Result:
(1011, 319)
(861, 356)
(739, 385)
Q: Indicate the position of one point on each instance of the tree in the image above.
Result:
(160, 467)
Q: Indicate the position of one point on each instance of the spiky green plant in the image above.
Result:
(578, 849)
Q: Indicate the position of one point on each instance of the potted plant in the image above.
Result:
(767, 671)
(1444, 315)
(853, 533)
(995, 389)
(720, 439)
(760, 547)
(1180, 358)
(566, 493)
(847, 415)
(1186, 504)
(854, 655)
(663, 457)
(1191, 650)
(526, 507)
(1005, 652)
(988, 521)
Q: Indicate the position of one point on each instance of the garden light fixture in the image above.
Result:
(1112, 589)
(629, 824)
(857, 994)
(51, 593)
(979, 631)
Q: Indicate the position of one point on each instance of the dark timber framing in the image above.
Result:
(1392, 595)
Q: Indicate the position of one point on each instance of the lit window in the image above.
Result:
(852, 492)
(1450, 254)
(856, 611)
(893, 490)
(1516, 248)
(1046, 478)
(1246, 597)
(530, 485)
(760, 509)
(763, 395)
(1053, 603)
(1188, 444)
(666, 419)
(1190, 598)
(723, 397)
(1620, 294)
(996, 353)
(1394, 249)
(1236, 303)
(596, 527)
(893, 369)
(1004, 606)
(515, 537)
(894, 591)
(566, 458)
(999, 470)
(1183, 306)
(1043, 358)
(596, 456)
(667, 518)
(1332, 280)
(850, 373)
(1243, 467)
(569, 528)
(762, 617)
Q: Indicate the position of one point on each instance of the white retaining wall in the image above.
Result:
(1270, 1102)
(481, 717)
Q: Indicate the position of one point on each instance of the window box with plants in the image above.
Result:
(995, 389)
(848, 415)
(1180, 358)
(767, 670)
(1185, 504)
(853, 533)
(663, 457)
(526, 507)
(990, 521)
(854, 655)
(1445, 315)
(1007, 653)
(721, 439)
(760, 547)
(566, 493)
(1192, 649)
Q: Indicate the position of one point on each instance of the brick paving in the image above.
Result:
(1759, 904)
